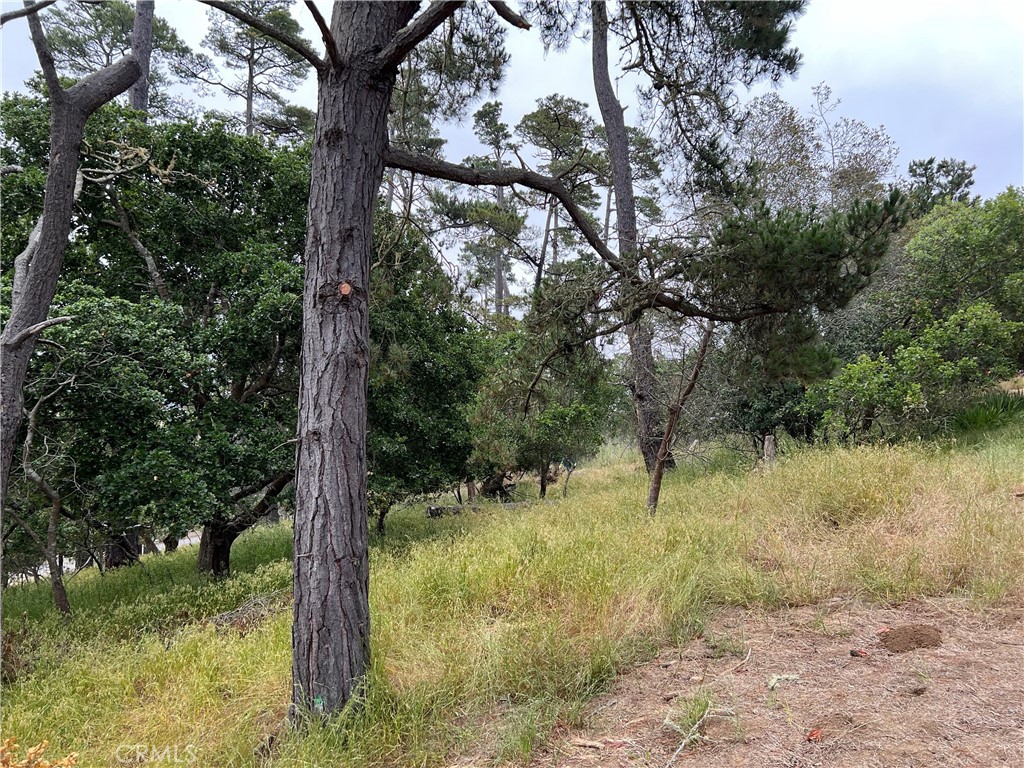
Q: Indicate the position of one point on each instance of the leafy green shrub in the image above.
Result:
(994, 411)
(924, 382)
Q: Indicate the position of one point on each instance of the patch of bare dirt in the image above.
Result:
(910, 637)
(933, 683)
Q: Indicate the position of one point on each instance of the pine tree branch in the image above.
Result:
(509, 15)
(325, 31)
(104, 85)
(45, 56)
(482, 177)
(27, 10)
(652, 296)
(414, 33)
(291, 41)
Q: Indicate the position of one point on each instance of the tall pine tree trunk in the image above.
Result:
(331, 629)
(142, 48)
(644, 386)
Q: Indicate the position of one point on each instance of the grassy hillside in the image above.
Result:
(491, 627)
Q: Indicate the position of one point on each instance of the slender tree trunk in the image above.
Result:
(643, 388)
(54, 562)
(48, 548)
(124, 223)
(570, 468)
(500, 287)
(331, 627)
(654, 490)
(608, 215)
(539, 277)
(544, 478)
(250, 97)
(641, 337)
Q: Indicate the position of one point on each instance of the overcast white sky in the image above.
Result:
(945, 78)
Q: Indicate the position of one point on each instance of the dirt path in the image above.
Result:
(783, 689)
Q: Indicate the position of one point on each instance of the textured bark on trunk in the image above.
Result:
(643, 388)
(331, 627)
(142, 48)
(644, 382)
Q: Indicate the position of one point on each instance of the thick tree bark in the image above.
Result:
(142, 49)
(331, 627)
(37, 267)
(644, 381)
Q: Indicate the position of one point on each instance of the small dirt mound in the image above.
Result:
(910, 637)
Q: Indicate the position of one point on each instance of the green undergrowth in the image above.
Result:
(491, 628)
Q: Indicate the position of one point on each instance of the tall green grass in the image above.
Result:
(490, 628)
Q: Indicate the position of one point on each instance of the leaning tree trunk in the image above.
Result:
(331, 628)
(37, 267)
(644, 382)
(661, 464)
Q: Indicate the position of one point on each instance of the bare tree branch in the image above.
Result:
(509, 15)
(32, 330)
(325, 31)
(103, 86)
(30, 8)
(125, 225)
(297, 45)
(46, 62)
(414, 33)
(480, 177)
(9, 169)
